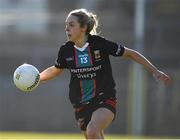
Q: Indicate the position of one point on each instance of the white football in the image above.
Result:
(26, 77)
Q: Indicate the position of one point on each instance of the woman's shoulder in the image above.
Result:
(66, 45)
(96, 39)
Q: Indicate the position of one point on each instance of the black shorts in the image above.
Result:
(84, 112)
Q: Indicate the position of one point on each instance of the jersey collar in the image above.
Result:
(82, 48)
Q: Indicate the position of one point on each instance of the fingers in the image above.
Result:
(168, 80)
(161, 76)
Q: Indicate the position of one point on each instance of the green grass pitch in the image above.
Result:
(38, 136)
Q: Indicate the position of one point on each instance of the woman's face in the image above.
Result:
(73, 30)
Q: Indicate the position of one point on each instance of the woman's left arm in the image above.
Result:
(139, 58)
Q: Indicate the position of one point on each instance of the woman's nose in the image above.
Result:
(66, 28)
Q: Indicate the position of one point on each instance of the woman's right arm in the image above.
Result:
(50, 73)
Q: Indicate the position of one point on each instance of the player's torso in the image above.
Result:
(91, 74)
(87, 69)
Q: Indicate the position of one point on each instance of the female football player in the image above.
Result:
(92, 88)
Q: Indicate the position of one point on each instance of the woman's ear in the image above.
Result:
(85, 28)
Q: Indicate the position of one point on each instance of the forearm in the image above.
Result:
(50, 73)
(139, 58)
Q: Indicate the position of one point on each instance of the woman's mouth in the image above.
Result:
(68, 35)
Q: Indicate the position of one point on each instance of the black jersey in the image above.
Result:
(91, 73)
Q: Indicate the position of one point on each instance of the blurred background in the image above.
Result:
(32, 31)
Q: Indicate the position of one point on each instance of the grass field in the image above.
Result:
(30, 135)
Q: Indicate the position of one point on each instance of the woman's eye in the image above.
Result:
(72, 25)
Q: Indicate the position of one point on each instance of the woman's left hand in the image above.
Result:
(161, 76)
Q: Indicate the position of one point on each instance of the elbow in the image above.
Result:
(134, 54)
(131, 54)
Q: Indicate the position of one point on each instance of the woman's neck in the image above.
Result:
(81, 41)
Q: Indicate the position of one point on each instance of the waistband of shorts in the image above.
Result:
(93, 100)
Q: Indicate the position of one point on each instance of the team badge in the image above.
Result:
(97, 54)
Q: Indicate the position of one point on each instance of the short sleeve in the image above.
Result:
(60, 61)
(112, 48)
